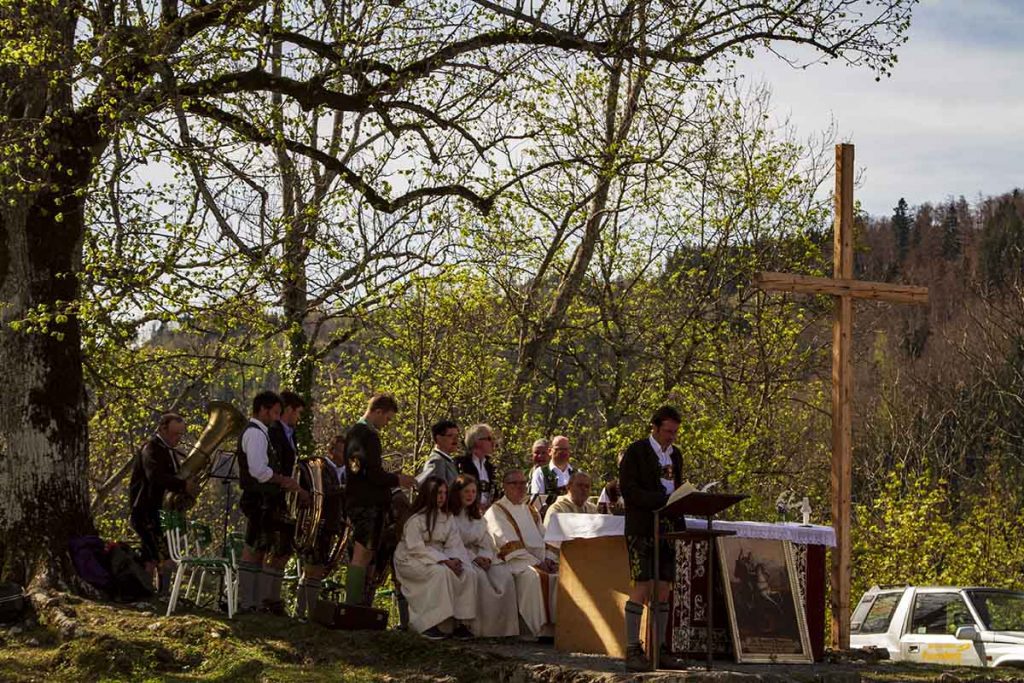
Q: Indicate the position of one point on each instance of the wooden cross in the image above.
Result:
(845, 288)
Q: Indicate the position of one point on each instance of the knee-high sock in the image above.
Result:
(403, 610)
(355, 584)
(634, 612)
(663, 634)
(270, 586)
(249, 574)
(307, 594)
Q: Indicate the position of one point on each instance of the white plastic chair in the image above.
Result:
(187, 557)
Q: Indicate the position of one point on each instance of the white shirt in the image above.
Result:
(561, 477)
(254, 445)
(665, 459)
(481, 470)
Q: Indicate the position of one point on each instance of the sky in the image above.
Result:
(948, 122)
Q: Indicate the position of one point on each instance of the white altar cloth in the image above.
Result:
(565, 526)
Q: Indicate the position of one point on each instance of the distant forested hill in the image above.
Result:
(939, 440)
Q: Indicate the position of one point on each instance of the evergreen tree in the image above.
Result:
(901, 224)
(951, 232)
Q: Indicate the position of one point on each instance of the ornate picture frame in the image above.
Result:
(766, 612)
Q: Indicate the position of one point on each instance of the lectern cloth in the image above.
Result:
(565, 526)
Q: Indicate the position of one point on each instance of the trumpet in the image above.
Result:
(225, 422)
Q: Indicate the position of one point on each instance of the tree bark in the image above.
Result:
(616, 131)
(44, 426)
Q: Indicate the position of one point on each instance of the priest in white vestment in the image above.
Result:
(518, 535)
(428, 562)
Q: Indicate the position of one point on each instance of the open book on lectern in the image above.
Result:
(686, 488)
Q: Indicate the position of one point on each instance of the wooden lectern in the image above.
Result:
(696, 504)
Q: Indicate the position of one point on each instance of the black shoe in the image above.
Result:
(462, 633)
(274, 607)
(636, 660)
(546, 640)
(433, 633)
(667, 660)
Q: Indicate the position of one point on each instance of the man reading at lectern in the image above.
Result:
(650, 470)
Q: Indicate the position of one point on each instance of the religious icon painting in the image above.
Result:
(766, 614)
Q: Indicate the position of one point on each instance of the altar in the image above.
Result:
(594, 578)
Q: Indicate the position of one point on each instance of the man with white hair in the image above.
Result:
(518, 534)
(477, 461)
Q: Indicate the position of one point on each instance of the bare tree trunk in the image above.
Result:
(617, 126)
(44, 427)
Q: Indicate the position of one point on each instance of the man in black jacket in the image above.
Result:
(650, 470)
(264, 481)
(282, 439)
(368, 490)
(154, 472)
(477, 462)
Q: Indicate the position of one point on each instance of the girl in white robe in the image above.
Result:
(497, 612)
(436, 583)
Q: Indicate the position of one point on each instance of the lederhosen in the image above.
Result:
(286, 456)
(332, 521)
(640, 473)
(263, 504)
(368, 485)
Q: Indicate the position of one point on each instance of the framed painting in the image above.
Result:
(766, 614)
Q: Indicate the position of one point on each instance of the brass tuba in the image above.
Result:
(323, 513)
(225, 423)
(309, 475)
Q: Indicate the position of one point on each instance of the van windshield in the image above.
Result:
(999, 610)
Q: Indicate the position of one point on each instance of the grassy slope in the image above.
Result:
(124, 644)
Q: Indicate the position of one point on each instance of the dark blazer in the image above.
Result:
(640, 483)
(467, 466)
(283, 447)
(153, 474)
(368, 484)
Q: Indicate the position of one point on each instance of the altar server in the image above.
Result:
(518, 534)
(428, 561)
(497, 613)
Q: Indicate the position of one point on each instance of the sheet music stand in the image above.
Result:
(224, 466)
(696, 504)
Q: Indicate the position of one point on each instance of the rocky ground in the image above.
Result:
(135, 643)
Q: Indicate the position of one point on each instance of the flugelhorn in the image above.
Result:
(225, 423)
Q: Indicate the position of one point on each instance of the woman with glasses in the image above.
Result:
(477, 461)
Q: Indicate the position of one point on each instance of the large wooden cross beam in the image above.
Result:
(845, 288)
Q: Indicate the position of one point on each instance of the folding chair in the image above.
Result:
(186, 555)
